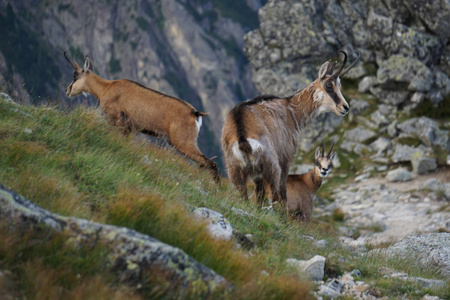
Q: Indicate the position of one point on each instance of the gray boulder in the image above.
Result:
(218, 226)
(130, 252)
(399, 174)
(422, 164)
(426, 130)
(366, 83)
(430, 250)
(380, 145)
(313, 268)
(404, 153)
(391, 97)
(359, 134)
(400, 69)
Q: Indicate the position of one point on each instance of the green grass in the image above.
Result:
(75, 163)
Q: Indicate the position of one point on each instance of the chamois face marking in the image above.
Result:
(77, 85)
(328, 92)
(330, 96)
(323, 164)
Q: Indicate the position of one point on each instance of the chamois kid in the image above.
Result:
(134, 107)
(260, 136)
(302, 188)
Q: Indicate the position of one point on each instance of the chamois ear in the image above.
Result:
(87, 64)
(332, 155)
(318, 153)
(323, 70)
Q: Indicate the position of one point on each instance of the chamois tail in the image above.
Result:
(244, 145)
(199, 113)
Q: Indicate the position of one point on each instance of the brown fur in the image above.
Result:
(301, 189)
(273, 124)
(134, 107)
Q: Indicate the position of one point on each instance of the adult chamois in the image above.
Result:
(260, 136)
(135, 107)
(301, 189)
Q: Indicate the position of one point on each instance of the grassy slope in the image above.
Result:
(76, 164)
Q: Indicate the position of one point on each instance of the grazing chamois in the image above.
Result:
(301, 189)
(134, 107)
(260, 136)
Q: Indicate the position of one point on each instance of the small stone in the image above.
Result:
(404, 152)
(313, 268)
(218, 226)
(321, 243)
(366, 83)
(399, 174)
(356, 273)
(328, 292)
(241, 212)
(28, 130)
(362, 177)
(380, 145)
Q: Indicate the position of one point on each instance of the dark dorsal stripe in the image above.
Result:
(238, 112)
(158, 92)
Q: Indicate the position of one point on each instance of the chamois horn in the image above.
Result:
(331, 149)
(351, 66)
(338, 72)
(71, 63)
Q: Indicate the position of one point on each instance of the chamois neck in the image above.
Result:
(305, 105)
(315, 179)
(96, 85)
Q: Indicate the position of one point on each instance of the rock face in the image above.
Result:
(431, 249)
(130, 252)
(404, 41)
(188, 49)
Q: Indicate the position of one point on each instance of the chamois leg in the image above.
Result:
(283, 181)
(260, 191)
(272, 174)
(194, 153)
(239, 179)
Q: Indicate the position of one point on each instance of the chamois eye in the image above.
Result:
(329, 86)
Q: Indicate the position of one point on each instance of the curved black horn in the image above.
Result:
(331, 149)
(338, 72)
(351, 66)
(323, 148)
(71, 63)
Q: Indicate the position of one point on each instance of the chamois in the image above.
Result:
(260, 136)
(301, 189)
(135, 107)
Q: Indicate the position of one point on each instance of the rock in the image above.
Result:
(362, 177)
(357, 107)
(5, 97)
(401, 69)
(404, 152)
(321, 243)
(356, 272)
(431, 250)
(392, 129)
(436, 186)
(379, 119)
(359, 134)
(388, 96)
(422, 164)
(313, 268)
(428, 297)
(380, 145)
(218, 226)
(328, 292)
(400, 174)
(366, 83)
(241, 212)
(131, 253)
(433, 13)
(28, 130)
(426, 130)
